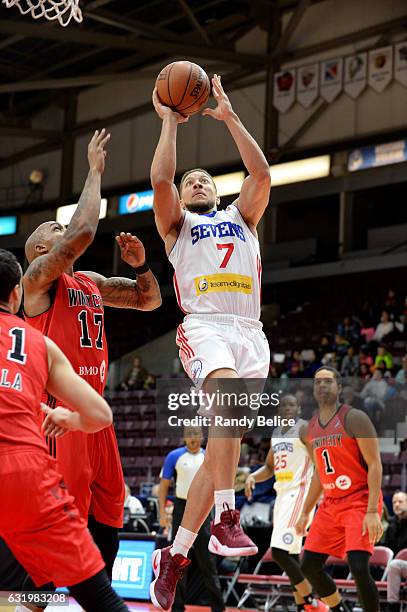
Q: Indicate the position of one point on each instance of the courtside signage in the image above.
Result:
(8, 225)
(132, 571)
(135, 202)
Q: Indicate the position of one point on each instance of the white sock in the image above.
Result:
(183, 542)
(227, 496)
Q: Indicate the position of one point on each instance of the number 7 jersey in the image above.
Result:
(75, 322)
(216, 260)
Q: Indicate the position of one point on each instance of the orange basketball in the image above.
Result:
(184, 87)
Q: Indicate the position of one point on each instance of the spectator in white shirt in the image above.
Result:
(386, 327)
(401, 376)
(373, 394)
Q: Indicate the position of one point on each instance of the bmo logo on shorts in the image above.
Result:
(343, 482)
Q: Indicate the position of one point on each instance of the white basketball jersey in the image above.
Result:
(217, 265)
(292, 464)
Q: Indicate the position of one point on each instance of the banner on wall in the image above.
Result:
(331, 78)
(380, 68)
(379, 155)
(355, 74)
(307, 84)
(400, 63)
(284, 90)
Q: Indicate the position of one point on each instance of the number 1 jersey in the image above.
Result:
(341, 467)
(75, 322)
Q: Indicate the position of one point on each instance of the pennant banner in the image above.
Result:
(400, 63)
(355, 74)
(331, 78)
(380, 68)
(284, 90)
(307, 84)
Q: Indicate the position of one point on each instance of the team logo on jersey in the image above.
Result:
(196, 369)
(288, 538)
(203, 285)
(343, 482)
(225, 229)
(102, 370)
(216, 283)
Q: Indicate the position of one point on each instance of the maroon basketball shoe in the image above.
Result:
(168, 570)
(228, 538)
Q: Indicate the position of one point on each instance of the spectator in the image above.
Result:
(364, 371)
(401, 376)
(132, 507)
(183, 463)
(325, 345)
(395, 537)
(384, 359)
(350, 363)
(312, 363)
(330, 359)
(365, 358)
(350, 398)
(348, 329)
(149, 382)
(136, 377)
(374, 394)
(386, 327)
(340, 345)
(391, 304)
(367, 331)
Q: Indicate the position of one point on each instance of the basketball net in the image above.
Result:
(63, 10)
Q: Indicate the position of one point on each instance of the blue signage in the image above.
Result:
(379, 155)
(132, 571)
(135, 202)
(8, 225)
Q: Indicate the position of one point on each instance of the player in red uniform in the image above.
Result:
(38, 519)
(349, 473)
(68, 307)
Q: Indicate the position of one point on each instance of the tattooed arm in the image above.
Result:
(141, 294)
(72, 242)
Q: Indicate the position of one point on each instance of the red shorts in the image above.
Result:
(40, 523)
(337, 525)
(91, 468)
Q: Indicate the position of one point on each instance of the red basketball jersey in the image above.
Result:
(75, 322)
(341, 467)
(23, 377)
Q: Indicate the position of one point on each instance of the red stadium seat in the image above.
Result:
(272, 586)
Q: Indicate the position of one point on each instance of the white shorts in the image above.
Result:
(287, 509)
(209, 342)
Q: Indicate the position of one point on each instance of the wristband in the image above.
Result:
(371, 512)
(142, 269)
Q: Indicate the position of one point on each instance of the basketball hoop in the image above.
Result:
(63, 10)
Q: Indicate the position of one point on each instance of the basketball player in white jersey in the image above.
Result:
(216, 259)
(289, 460)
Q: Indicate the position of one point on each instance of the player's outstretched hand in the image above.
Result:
(373, 526)
(224, 108)
(301, 525)
(165, 111)
(131, 249)
(96, 150)
(249, 486)
(57, 422)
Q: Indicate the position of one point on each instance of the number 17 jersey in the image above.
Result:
(216, 260)
(75, 322)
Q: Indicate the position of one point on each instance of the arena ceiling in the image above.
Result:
(43, 63)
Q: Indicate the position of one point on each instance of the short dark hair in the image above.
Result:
(336, 373)
(188, 172)
(10, 274)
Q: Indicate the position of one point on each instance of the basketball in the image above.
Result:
(184, 87)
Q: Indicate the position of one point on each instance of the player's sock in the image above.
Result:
(340, 608)
(226, 496)
(183, 542)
